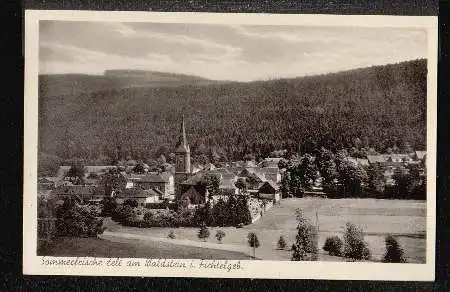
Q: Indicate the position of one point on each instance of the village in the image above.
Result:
(242, 195)
(184, 182)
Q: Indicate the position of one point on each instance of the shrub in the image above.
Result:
(171, 235)
(394, 252)
(281, 244)
(333, 245)
(203, 233)
(219, 235)
(355, 246)
(160, 218)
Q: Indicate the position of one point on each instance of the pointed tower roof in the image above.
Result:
(182, 146)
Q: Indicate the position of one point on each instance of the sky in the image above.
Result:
(221, 52)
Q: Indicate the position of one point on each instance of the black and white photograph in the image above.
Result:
(231, 142)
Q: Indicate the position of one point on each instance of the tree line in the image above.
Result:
(343, 178)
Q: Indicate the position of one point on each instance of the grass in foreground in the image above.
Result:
(94, 247)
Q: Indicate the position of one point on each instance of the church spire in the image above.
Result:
(182, 145)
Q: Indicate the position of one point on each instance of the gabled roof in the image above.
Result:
(192, 193)
(148, 178)
(421, 154)
(227, 184)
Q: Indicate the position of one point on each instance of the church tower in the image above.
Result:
(182, 157)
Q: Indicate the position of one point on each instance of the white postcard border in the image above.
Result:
(32, 264)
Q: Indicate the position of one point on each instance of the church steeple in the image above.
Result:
(182, 146)
(182, 156)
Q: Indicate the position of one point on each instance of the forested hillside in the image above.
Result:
(378, 107)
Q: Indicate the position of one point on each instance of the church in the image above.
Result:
(190, 186)
(186, 192)
(183, 170)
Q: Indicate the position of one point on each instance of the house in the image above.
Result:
(269, 191)
(388, 159)
(270, 162)
(141, 196)
(227, 187)
(209, 167)
(161, 181)
(193, 197)
(92, 182)
(360, 161)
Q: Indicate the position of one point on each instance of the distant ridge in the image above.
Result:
(151, 74)
(51, 85)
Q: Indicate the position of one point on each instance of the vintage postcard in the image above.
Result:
(230, 145)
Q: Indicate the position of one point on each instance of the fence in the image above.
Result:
(46, 230)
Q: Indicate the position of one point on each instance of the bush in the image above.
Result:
(203, 233)
(219, 235)
(355, 246)
(281, 243)
(394, 252)
(79, 220)
(171, 235)
(333, 245)
(108, 206)
(185, 218)
(160, 218)
(131, 203)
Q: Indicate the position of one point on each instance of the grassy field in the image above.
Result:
(405, 219)
(93, 247)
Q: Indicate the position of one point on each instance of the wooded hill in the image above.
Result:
(379, 107)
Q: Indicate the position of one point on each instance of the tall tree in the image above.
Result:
(253, 242)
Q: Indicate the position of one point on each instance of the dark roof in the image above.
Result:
(268, 182)
(74, 190)
(195, 179)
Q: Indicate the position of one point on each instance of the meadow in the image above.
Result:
(378, 218)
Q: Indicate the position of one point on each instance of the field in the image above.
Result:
(405, 219)
(125, 248)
